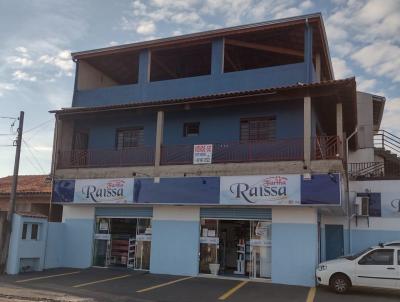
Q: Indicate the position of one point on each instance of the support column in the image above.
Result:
(144, 66)
(308, 52)
(217, 56)
(307, 131)
(339, 126)
(318, 67)
(159, 141)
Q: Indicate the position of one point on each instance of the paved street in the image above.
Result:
(98, 284)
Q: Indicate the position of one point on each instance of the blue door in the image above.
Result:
(334, 244)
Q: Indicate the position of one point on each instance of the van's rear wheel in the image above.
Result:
(340, 283)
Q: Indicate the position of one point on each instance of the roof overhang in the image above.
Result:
(343, 91)
(314, 19)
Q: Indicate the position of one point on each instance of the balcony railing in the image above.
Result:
(136, 156)
(289, 149)
(325, 147)
(374, 170)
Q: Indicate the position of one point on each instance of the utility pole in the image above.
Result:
(6, 234)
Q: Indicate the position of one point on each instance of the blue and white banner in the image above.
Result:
(115, 190)
(260, 190)
(321, 189)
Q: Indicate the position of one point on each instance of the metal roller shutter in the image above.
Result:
(236, 213)
(125, 211)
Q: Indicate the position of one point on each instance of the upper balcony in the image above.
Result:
(300, 123)
(270, 54)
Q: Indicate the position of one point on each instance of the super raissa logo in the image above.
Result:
(395, 203)
(112, 190)
(272, 188)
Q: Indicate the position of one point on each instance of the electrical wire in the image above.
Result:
(38, 126)
(33, 155)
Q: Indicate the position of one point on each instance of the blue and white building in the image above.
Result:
(232, 152)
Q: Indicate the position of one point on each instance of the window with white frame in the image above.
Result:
(30, 231)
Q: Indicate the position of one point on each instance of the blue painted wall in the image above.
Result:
(78, 243)
(216, 124)
(294, 253)
(26, 248)
(175, 247)
(102, 131)
(276, 76)
(54, 255)
(361, 239)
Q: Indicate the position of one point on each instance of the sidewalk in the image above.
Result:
(14, 293)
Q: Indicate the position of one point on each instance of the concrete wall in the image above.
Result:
(54, 256)
(294, 245)
(26, 248)
(175, 240)
(91, 78)
(79, 224)
(275, 76)
(216, 124)
(365, 120)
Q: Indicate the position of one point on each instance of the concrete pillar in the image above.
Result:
(308, 52)
(339, 126)
(318, 67)
(159, 141)
(217, 56)
(307, 130)
(144, 66)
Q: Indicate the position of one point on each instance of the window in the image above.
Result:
(30, 231)
(131, 137)
(378, 257)
(398, 257)
(257, 129)
(24, 230)
(35, 231)
(191, 129)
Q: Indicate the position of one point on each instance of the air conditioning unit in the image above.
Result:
(362, 206)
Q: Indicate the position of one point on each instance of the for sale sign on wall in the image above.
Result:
(202, 154)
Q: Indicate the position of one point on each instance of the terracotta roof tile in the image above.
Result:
(26, 184)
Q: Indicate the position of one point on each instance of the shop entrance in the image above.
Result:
(235, 248)
(122, 242)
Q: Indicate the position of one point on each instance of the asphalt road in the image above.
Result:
(96, 284)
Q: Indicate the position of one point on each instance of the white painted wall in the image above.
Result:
(91, 78)
(78, 212)
(178, 213)
(306, 215)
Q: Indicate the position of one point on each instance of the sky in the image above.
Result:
(37, 37)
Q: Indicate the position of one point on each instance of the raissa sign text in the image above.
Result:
(118, 190)
(261, 190)
(202, 154)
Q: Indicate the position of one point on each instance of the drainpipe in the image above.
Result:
(349, 216)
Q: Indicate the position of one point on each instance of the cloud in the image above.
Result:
(23, 76)
(390, 120)
(62, 61)
(146, 28)
(6, 87)
(20, 61)
(340, 68)
(380, 58)
(365, 84)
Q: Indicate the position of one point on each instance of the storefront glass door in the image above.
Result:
(260, 249)
(123, 242)
(236, 248)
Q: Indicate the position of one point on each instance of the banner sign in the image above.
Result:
(209, 240)
(260, 190)
(116, 190)
(202, 154)
(293, 189)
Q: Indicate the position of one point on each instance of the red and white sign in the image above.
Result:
(202, 154)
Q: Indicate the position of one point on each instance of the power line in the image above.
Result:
(38, 126)
(33, 155)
